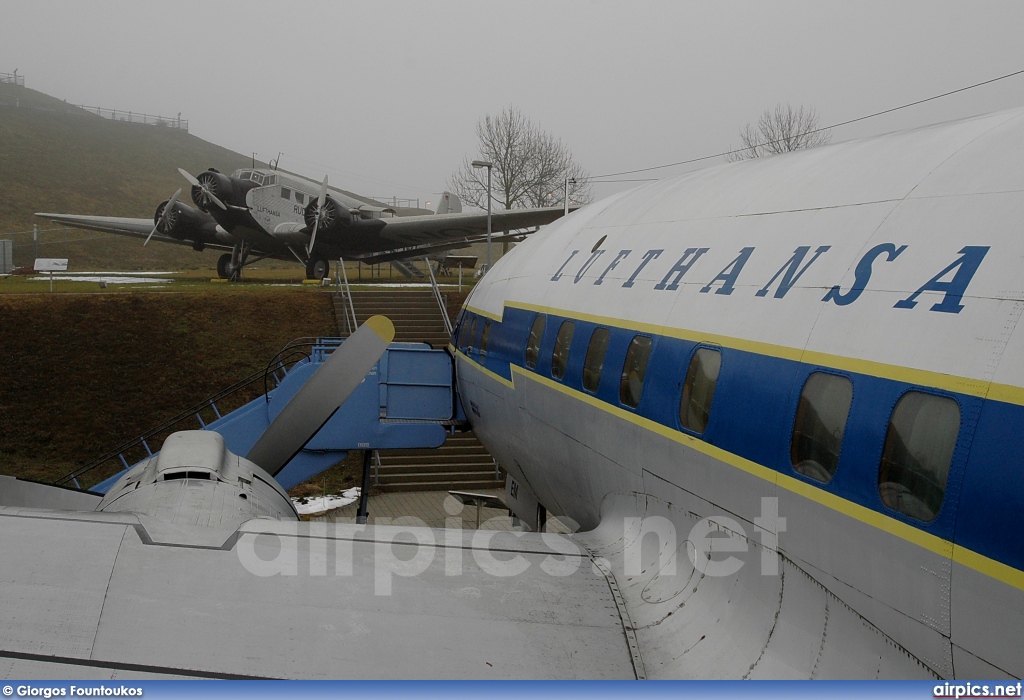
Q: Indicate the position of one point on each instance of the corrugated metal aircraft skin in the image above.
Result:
(888, 268)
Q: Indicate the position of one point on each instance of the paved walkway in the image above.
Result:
(432, 509)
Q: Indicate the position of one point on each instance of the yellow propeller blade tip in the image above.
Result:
(382, 326)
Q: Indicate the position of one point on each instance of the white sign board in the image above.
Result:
(51, 264)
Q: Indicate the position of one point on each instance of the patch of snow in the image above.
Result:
(127, 274)
(109, 279)
(322, 504)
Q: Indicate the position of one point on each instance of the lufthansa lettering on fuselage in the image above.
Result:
(264, 209)
(951, 281)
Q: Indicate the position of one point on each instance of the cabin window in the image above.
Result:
(464, 333)
(472, 334)
(300, 198)
(286, 193)
(634, 369)
(485, 337)
(917, 454)
(560, 355)
(594, 362)
(820, 423)
(699, 389)
(533, 344)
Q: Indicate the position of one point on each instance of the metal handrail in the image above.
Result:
(192, 412)
(437, 296)
(350, 325)
(293, 349)
(136, 117)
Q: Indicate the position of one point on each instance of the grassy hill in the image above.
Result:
(57, 158)
(85, 372)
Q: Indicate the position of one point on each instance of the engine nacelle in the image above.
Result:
(184, 222)
(231, 191)
(334, 216)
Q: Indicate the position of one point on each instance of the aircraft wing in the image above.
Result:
(122, 226)
(118, 595)
(420, 229)
(385, 236)
(427, 249)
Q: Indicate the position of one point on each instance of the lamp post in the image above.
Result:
(488, 165)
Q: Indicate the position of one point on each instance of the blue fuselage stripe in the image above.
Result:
(753, 413)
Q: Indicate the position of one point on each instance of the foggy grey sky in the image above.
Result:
(384, 95)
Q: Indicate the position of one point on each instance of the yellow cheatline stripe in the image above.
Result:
(1006, 393)
(908, 533)
(496, 377)
(486, 314)
(989, 567)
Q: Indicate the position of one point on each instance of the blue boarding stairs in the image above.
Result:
(408, 400)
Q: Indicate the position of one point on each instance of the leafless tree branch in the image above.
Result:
(530, 166)
(780, 130)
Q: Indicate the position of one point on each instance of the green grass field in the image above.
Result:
(85, 372)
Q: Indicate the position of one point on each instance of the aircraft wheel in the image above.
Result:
(224, 266)
(317, 269)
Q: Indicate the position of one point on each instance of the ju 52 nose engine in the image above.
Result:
(333, 217)
(212, 188)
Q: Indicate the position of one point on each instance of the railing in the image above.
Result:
(394, 201)
(12, 78)
(438, 297)
(294, 352)
(136, 118)
(346, 302)
(287, 358)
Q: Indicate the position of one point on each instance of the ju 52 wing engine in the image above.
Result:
(183, 222)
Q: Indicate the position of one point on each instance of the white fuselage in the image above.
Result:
(892, 265)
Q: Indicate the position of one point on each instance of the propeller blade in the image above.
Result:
(146, 242)
(195, 183)
(165, 215)
(312, 238)
(322, 395)
(319, 208)
(188, 176)
(323, 194)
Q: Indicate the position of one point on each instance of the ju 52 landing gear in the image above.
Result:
(229, 265)
(224, 266)
(317, 269)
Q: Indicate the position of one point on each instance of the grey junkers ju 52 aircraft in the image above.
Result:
(259, 213)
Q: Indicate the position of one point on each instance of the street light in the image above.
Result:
(488, 165)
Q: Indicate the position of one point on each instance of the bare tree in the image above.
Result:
(781, 130)
(529, 169)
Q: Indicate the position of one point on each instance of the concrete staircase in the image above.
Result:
(414, 312)
(462, 463)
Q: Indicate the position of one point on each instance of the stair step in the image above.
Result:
(438, 468)
(453, 486)
(462, 462)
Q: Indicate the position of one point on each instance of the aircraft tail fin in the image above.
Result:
(449, 204)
